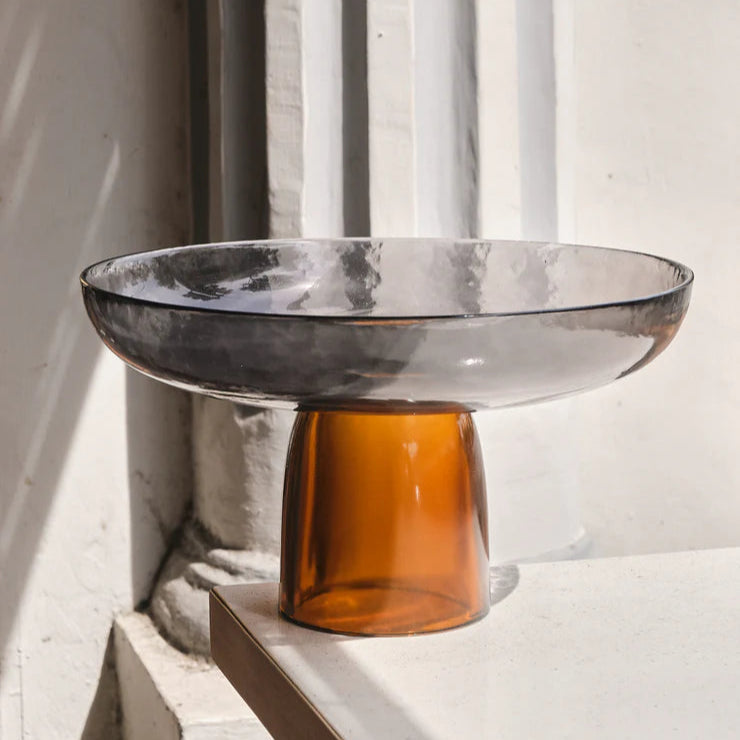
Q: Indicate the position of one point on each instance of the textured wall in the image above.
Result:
(648, 123)
(93, 162)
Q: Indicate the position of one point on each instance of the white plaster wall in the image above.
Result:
(646, 157)
(649, 159)
(93, 162)
(531, 466)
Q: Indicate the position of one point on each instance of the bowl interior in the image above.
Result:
(388, 278)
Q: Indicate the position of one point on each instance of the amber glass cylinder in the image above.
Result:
(385, 527)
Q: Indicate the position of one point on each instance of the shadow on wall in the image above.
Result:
(46, 359)
(104, 719)
(158, 423)
(50, 366)
(93, 162)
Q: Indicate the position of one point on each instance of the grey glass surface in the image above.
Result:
(388, 322)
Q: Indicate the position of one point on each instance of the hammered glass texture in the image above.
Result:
(387, 322)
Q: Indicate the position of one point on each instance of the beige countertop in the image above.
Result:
(644, 647)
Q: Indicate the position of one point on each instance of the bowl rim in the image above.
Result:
(687, 275)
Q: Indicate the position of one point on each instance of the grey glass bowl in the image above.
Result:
(354, 323)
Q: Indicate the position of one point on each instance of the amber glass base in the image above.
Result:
(385, 526)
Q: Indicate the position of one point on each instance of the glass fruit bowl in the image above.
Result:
(385, 347)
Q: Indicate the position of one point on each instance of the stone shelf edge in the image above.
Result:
(621, 647)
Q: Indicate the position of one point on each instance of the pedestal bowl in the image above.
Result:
(385, 347)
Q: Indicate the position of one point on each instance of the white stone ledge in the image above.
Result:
(166, 695)
(635, 647)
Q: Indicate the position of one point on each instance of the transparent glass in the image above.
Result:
(385, 525)
(403, 337)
